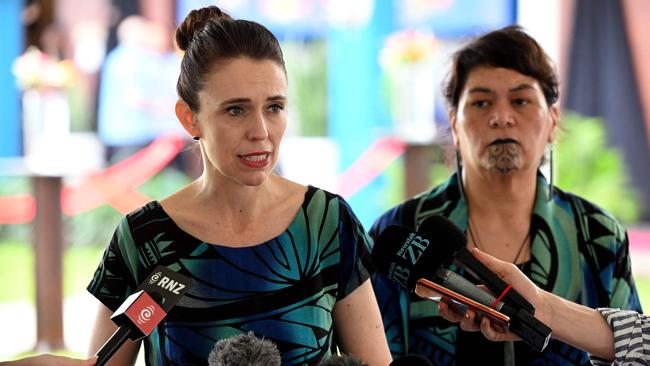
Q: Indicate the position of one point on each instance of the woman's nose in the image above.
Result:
(258, 129)
(501, 117)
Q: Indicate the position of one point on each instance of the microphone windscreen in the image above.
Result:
(341, 360)
(411, 360)
(444, 231)
(245, 349)
(387, 244)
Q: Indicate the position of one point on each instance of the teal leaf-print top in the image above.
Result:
(579, 252)
(283, 290)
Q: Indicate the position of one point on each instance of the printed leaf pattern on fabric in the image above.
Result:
(578, 252)
(283, 289)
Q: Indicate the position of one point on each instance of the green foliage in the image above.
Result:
(439, 173)
(80, 113)
(584, 165)
(643, 289)
(87, 234)
(17, 264)
(394, 193)
(163, 184)
(587, 167)
(16, 271)
(306, 64)
(394, 189)
(95, 227)
(79, 265)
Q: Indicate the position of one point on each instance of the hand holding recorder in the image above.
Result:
(572, 323)
(406, 257)
(520, 283)
(144, 309)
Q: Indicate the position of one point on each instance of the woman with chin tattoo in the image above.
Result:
(502, 92)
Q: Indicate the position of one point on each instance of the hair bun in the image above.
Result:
(194, 23)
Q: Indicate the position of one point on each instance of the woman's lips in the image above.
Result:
(503, 141)
(255, 160)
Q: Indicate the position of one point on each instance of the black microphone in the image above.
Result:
(411, 360)
(453, 249)
(245, 349)
(427, 267)
(461, 285)
(446, 231)
(144, 309)
(406, 256)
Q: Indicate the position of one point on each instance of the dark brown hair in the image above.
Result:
(511, 48)
(210, 36)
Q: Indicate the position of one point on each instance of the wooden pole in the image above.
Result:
(48, 248)
(417, 164)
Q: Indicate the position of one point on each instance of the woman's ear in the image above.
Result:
(451, 114)
(185, 116)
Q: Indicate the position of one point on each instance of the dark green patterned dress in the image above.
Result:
(578, 252)
(283, 289)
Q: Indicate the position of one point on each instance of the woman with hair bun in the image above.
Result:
(267, 255)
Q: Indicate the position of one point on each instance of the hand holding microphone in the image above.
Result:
(144, 309)
(512, 275)
(406, 257)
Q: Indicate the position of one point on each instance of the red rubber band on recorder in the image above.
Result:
(498, 300)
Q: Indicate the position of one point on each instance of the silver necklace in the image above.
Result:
(476, 242)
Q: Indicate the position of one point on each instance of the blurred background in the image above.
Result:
(88, 132)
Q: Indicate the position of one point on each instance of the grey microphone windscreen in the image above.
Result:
(245, 350)
(342, 360)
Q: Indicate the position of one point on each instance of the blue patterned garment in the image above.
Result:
(578, 252)
(283, 289)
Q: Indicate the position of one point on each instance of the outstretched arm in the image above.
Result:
(575, 324)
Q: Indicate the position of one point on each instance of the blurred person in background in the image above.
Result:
(136, 93)
(502, 93)
(267, 255)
